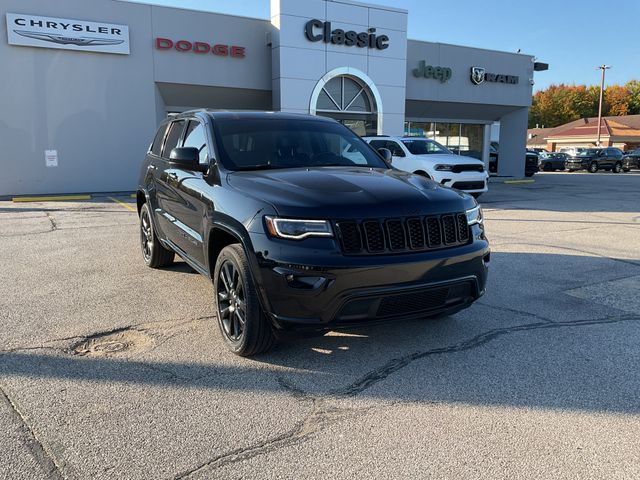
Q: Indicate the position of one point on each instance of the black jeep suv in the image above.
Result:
(594, 159)
(302, 226)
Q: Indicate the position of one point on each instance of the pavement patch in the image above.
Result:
(621, 294)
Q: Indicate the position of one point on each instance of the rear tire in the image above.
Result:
(593, 167)
(245, 329)
(155, 255)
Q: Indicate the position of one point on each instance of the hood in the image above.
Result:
(450, 159)
(346, 192)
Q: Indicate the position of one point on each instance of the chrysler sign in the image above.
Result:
(67, 34)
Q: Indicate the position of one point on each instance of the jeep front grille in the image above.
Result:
(399, 235)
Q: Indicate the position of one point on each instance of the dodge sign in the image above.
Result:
(48, 32)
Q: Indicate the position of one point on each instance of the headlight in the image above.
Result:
(297, 229)
(444, 167)
(474, 215)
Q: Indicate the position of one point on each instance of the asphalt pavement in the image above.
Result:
(109, 369)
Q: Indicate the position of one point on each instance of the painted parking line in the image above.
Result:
(123, 204)
(52, 198)
(519, 181)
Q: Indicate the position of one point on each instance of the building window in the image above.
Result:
(349, 101)
(461, 138)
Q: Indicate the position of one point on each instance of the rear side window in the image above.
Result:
(175, 131)
(156, 147)
(378, 144)
(396, 150)
(195, 137)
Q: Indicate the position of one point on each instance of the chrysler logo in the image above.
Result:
(477, 75)
(64, 40)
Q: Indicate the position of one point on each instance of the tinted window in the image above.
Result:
(376, 144)
(396, 150)
(175, 130)
(271, 143)
(195, 137)
(424, 147)
(156, 147)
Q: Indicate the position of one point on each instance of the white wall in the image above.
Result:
(298, 64)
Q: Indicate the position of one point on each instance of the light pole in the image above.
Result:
(603, 68)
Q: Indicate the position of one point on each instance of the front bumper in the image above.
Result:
(575, 166)
(469, 182)
(337, 291)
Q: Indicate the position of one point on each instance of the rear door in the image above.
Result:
(165, 175)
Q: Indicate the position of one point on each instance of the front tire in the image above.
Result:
(244, 326)
(617, 168)
(593, 167)
(155, 255)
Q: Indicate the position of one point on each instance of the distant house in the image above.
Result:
(622, 132)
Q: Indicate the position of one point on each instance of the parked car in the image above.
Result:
(572, 151)
(539, 150)
(297, 237)
(594, 159)
(531, 163)
(631, 160)
(550, 162)
(428, 158)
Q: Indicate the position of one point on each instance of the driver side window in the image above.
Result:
(195, 137)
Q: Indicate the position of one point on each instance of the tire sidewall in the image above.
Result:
(237, 257)
(145, 211)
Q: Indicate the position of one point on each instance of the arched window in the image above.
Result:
(345, 94)
(349, 96)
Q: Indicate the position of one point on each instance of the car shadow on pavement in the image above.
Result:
(538, 347)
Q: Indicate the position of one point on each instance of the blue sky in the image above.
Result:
(563, 33)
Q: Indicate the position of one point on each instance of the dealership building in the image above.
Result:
(85, 84)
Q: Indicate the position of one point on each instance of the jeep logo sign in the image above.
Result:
(316, 31)
(428, 71)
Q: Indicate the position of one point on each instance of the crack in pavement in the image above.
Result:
(42, 456)
(320, 416)
(161, 330)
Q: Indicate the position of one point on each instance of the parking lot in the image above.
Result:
(109, 369)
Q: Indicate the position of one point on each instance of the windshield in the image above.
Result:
(589, 152)
(272, 143)
(424, 147)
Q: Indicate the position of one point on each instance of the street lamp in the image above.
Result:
(603, 68)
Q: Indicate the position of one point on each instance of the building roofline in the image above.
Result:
(469, 46)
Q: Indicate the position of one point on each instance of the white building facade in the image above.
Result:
(86, 83)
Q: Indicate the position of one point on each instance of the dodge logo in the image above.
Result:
(477, 75)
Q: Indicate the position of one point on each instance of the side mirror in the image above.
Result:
(187, 158)
(386, 154)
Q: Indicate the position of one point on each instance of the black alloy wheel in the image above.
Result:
(155, 255)
(244, 326)
(232, 305)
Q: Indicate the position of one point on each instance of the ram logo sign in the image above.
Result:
(49, 32)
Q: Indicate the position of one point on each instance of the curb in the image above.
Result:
(53, 198)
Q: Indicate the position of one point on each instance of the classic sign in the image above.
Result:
(480, 75)
(428, 71)
(66, 34)
(316, 30)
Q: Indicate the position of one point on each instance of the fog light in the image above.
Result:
(304, 282)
